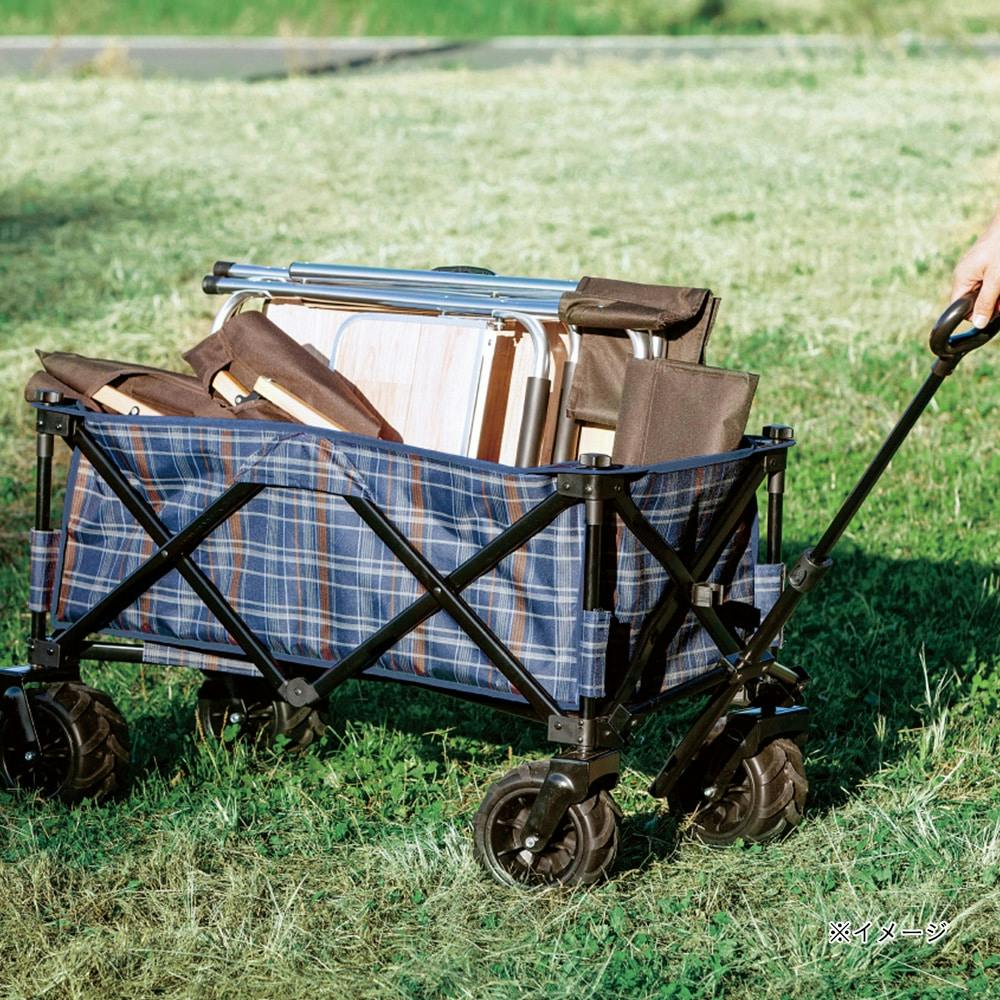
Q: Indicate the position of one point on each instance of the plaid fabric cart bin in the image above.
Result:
(312, 580)
(282, 560)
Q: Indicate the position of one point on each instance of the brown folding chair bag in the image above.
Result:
(675, 409)
(603, 309)
(165, 392)
(663, 408)
(249, 347)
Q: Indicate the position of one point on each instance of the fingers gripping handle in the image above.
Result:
(949, 345)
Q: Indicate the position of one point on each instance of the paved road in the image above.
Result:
(262, 58)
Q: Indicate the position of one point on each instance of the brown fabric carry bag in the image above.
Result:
(170, 393)
(675, 409)
(602, 309)
(250, 346)
(606, 304)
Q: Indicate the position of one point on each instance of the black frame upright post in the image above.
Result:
(44, 447)
(593, 566)
(776, 464)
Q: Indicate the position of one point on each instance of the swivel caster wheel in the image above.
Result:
(580, 852)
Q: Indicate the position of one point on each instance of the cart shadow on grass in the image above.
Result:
(56, 288)
(861, 637)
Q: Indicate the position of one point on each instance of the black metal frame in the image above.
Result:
(597, 732)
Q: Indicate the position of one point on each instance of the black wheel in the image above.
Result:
(765, 798)
(231, 709)
(581, 851)
(83, 745)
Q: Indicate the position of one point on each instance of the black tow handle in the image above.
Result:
(949, 347)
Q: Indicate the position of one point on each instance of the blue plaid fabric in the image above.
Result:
(178, 656)
(44, 552)
(313, 581)
(681, 504)
(595, 628)
(768, 583)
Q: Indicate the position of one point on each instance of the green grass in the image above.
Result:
(826, 201)
(482, 18)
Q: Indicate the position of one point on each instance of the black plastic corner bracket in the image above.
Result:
(54, 422)
(585, 485)
(45, 653)
(605, 731)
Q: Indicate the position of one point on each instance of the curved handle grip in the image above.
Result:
(945, 343)
(467, 269)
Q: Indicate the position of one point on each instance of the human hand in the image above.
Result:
(980, 267)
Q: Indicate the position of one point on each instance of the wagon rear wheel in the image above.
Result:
(580, 852)
(83, 745)
(765, 798)
(231, 709)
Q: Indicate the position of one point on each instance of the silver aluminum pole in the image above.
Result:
(462, 305)
(484, 283)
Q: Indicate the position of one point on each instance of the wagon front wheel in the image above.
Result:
(231, 709)
(765, 798)
(580, 852)
(82, 750)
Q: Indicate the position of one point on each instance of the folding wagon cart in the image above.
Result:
(585, 594)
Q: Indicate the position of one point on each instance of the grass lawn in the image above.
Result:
(481, 18)
(826, 201)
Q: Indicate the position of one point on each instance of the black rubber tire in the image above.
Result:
(263, 717)
(764, 800)
(582, 851)
(83, 745)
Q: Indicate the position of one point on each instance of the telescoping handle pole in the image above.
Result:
(950, 348)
